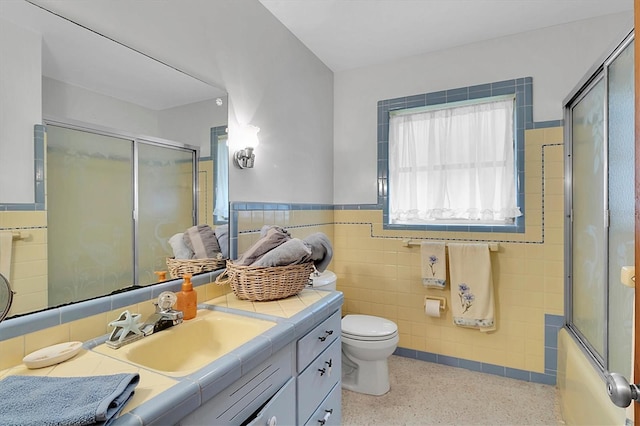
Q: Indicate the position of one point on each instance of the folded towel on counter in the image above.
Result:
(201, 239)
(180, 249)
(472, 301)
(321, 250)
(434, 264)
(222, 234)
(291, 252)
(272, 237)
(38, 400)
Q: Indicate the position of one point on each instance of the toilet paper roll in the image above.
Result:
(432, 308)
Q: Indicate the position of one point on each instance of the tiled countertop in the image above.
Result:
(152, 400)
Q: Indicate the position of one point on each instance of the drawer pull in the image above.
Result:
(329, 363)
(327, 333)
(322, 371)
(326, 416)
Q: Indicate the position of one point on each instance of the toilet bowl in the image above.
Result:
(367, 343)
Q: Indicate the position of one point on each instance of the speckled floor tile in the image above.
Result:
(425, 393)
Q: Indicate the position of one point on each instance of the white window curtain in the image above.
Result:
(221, 209)
(453, 164)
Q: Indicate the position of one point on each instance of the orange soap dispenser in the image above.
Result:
(187, 299)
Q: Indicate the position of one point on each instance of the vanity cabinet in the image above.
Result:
(319, 369)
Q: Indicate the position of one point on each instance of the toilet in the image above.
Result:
(367, 343)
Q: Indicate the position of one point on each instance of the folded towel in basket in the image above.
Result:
(321, 250)
(222, 234)
(201, 239)
(180, 249)
(292, 252)
(38, 400)
(272, 237)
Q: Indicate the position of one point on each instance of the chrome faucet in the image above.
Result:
(127, 329)
(164, 316)
(161, 320)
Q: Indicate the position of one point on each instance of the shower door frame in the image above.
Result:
(636, 337)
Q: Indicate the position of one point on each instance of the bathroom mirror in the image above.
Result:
(92, 82)
(6, 297)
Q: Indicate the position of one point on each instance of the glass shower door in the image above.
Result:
(600, 238)
(166, 203)
(89, 205)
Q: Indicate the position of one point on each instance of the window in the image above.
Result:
(453, 163)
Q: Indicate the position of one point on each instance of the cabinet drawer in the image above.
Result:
(329, 413)
(280, 410)
(318, 339)
(317, 379)
(236, 403)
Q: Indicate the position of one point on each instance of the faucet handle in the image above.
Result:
(166, 301)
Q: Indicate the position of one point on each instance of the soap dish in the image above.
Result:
(52, 355)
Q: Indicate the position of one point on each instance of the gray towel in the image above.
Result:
(222, 234)
(37, 400)
(292, 252)
(272, 237)
(321, 250)
(180, 249)
(201, 239)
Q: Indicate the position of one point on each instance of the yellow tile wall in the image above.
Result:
(29, 259)
(379, 276)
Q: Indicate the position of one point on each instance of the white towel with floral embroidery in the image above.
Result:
(434, 265)
(472, 302)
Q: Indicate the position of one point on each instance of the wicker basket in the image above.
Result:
(179, 267)
(260, 283)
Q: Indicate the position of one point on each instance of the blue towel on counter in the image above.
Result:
(49, 401)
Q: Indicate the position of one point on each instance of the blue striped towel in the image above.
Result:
(77, 401)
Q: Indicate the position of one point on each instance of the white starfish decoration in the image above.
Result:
(127, 323)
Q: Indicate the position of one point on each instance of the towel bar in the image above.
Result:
(493, 246)
(19, 235)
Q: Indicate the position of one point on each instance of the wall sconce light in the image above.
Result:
(244, 158)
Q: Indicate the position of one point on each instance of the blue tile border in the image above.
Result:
(553, 324)
(522, 88)
(38, 170)
(36, 321)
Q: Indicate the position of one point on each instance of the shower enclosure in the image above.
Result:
(113, 202)
(599, 207)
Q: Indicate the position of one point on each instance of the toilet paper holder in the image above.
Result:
(442, 300)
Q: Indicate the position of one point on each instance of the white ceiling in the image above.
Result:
(347, 34)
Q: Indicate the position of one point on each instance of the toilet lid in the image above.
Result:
(368, 326)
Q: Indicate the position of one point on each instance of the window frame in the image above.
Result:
(521, 88)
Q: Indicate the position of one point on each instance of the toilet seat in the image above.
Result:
(367, 327)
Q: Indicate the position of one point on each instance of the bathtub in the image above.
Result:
(582, 392)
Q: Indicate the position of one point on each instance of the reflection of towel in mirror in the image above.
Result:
(38, 400)
(291, 252)
(201, 239)
(272, 237)
(321, 250)
(180, 249)
(222, 234)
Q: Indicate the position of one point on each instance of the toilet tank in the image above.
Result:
(323, 281)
